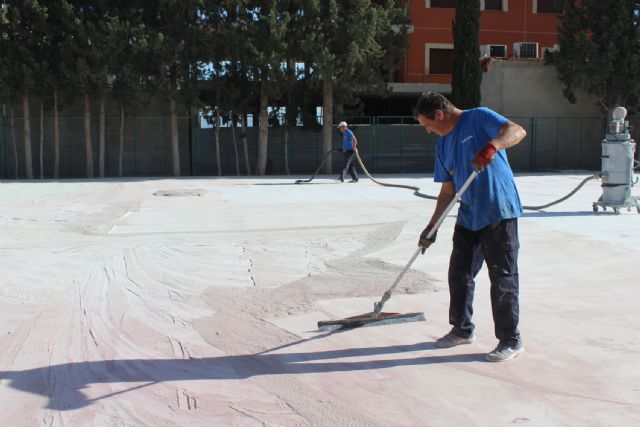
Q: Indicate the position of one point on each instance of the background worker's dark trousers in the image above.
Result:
(349, 166)
(498, 245)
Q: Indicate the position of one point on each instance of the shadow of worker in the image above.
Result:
(63, 383)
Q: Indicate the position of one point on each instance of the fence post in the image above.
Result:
(374, 143)
(191, 133)
(532, 146)
(135, 145)
(317, 148)
(557, 142)
(106, 144)
(580, 144)
(402, 144)
(3, 135)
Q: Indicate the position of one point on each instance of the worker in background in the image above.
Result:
(349, 143)
(487, 224)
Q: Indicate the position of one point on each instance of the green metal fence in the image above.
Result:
(4, 146)
(397, 144)
(146, 148)
(387, 144)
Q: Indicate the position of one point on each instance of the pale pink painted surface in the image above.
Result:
(118, 307)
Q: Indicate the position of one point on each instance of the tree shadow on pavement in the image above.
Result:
(63, 383)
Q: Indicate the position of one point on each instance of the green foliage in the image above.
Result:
(172, 41)
(599, 51)
(467, 74)
(129, 50)
(357, 43)
(23, 42)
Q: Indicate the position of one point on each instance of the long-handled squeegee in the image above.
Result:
(377, 316)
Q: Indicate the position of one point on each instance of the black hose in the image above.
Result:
(416, 190)
(562, 199)
(324, 160)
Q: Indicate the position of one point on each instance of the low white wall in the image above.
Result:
(519, 88)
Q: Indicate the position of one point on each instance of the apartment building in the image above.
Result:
(509, 29)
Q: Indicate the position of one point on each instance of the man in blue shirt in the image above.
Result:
(487, 224)
(349, 143)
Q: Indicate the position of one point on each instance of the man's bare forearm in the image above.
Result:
(510, 135)
(447, 193)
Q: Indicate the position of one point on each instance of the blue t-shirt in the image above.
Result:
(347, 144)
(493, 196)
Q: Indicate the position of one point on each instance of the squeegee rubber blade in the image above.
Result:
(370, 319)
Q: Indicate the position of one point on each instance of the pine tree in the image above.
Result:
(23, 41)
(56, 82)
(174, 40)
(467, 75)
(599, 51)
(127, 64)
(264, 53)
(352, 45)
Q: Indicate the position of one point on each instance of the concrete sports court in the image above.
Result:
(195, 302)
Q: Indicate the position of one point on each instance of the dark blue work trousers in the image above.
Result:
(349, 158)
(498, 245)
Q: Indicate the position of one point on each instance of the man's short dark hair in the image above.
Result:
(429, 102)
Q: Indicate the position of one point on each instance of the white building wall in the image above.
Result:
(529, 88)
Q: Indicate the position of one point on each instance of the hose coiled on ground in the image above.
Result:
(416, 190)
(562, 199)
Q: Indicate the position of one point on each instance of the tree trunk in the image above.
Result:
(175, 151)
(41, 140)
(56, 136)
(234, 118)
(286, 148)
(4, 115)
(217, 133)
(26, 121)
(14, 146)
(263, 135)
(101, 138)
(87, 137)
(243, 124)
(121, 153)
(327, 120)
(291, 76)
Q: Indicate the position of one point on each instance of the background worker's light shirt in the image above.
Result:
(493, 195)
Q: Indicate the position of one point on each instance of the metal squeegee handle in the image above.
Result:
(458, 195)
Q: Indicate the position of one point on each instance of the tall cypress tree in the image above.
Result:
(467, 74)
(599, 51)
